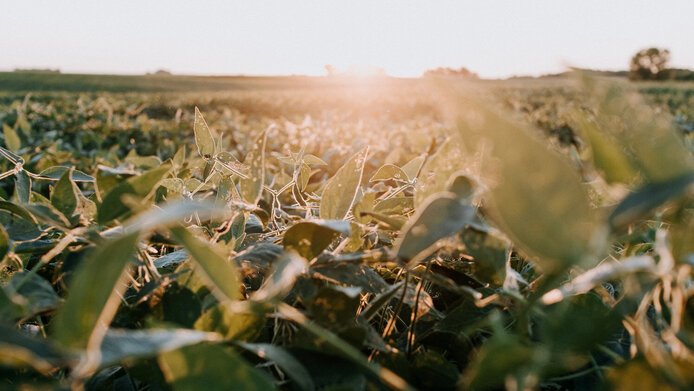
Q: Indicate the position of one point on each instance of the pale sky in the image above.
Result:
(278, 37)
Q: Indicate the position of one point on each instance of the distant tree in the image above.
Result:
(649, 64)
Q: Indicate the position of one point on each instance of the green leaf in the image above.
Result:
(309, 238)
(119, 345)
(22, 184)
(313, 160)
(18, 210)
(252, 187)
(219, 272)
(94, 293)
(210, 367)
(279, 283)
(203, 137)
(650, 196)
(440, 217)
(56, 172)
(171, 259)
(233, 325)
(33, 293)
(535, 193)
(395, 206)
(113, 207)
(19, 349)
(499, 358)
(341, 190)
(591, 322)
(350, 274)
(289, 364)
(64, 195)
(411, 168)
(4, 243)
(607, 151)
(343, 348)
(12, 140)
(645, 138)
(389, 171)
(448, 160)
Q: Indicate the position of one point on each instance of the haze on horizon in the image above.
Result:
(280, 37)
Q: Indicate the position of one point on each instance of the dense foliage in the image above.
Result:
(403, 236)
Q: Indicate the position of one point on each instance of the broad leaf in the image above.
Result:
(210, 367)
(219, 272)
(56, 172)
(440, 217)
(22, 186)
(12, 140)
(65, 195)
(252, 187)
(341, 190)
(119, 345)
(278, 284)
(291, 366)
(310, 238)
(203, 137)
(89, 305)
(113, 207)
(389, 171)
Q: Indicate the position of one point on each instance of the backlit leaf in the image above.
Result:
(341, 190)
(203, 136)
(252, 187)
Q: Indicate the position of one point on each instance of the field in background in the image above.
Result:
(333, 233)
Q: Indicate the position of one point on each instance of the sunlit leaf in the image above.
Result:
(12, 140)
(646, 139)
(203, 136)
(113, 207)
(252, 187)
(389, 171)
(412, 167)
(341, 190)
(534, 193)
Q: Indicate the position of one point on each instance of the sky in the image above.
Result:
(494, 38)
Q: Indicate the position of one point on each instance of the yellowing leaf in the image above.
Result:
(389, 171)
